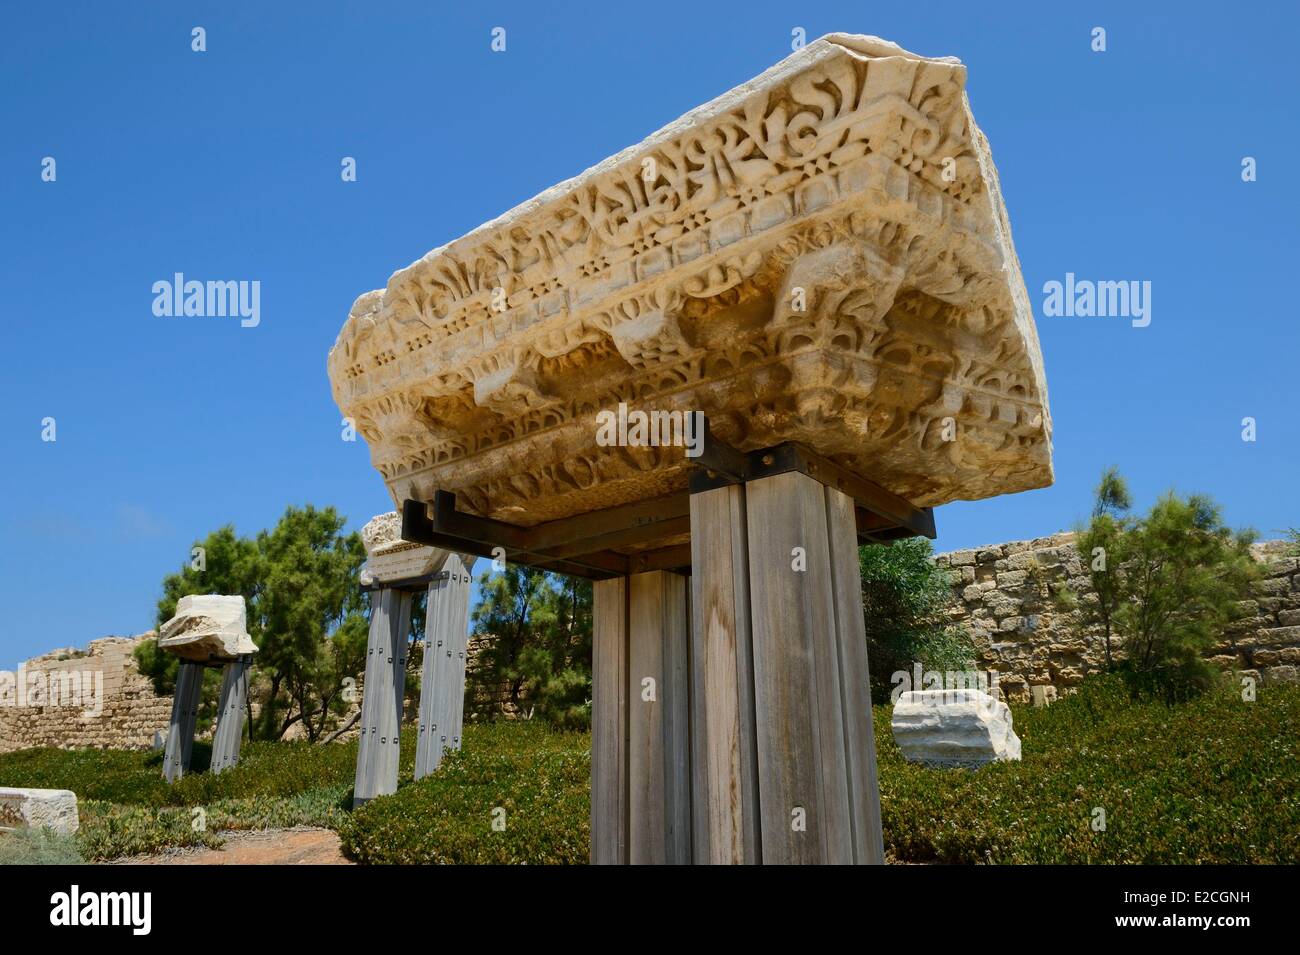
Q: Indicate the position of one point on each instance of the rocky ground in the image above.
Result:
(261, 847)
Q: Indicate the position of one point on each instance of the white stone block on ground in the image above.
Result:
(54, 809)
(207, 627)
(962, 727)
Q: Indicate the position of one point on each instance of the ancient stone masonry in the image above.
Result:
(820, 255)
(128, 715)
(1003, 596)
(816, 270)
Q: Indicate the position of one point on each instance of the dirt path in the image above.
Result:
(260, 847)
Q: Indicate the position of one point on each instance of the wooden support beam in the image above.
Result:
(803, 787)
(442, 687)
(818, 792)
(230, 714)
(467, 534)
(855, 681)
(659, 804)
(609, 715)
(185, 713)
(381, 702)
(724, 747)
(640, 752)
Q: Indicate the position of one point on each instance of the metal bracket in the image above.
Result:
(886, 515)
(406, 583)
(580, 546)
(620, 541)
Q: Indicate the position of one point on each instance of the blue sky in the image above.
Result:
(225, 164)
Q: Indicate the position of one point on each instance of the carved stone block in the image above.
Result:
(820, 255)
(389, 558)
(207, 628)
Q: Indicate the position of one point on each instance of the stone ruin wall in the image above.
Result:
(131, 712)
(1003, 598)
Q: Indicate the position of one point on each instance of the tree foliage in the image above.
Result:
(904, 595)
(1100, 544)
(306, 613)
(1167, 584)
(538, 629)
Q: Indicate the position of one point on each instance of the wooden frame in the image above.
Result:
(596, 544)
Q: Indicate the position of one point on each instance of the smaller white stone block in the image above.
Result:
(207, 627)
(1043, 695)
(389, 558)
(54, 809)
(962, 727)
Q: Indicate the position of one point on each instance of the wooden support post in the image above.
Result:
(442, 687)
(185, 713)
(725, 777)
(805, 700)
(230, 714)
(802, 778)
(855, 681)
(659, 802)
(381, 702)
(609, 731)
(776, 588)
(641, 794)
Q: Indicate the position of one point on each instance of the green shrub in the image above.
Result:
(38, 847)
(534, 780)
(1213, 780)
(904, 595)
(132, 777)
(109, 831)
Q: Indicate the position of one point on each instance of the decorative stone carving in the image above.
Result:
(960, 727)
(54, 809)
(389, 558)
(820, 255)
(207, 628)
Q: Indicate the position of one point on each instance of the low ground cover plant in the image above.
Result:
(1214, 779)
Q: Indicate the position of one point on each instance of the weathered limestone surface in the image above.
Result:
(1003, 596)
(54, 809)
(37, 709)
(819, 255)
(207, 628)
(953, 728)
(389, 558)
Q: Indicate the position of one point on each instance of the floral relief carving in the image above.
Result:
(814, 256)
